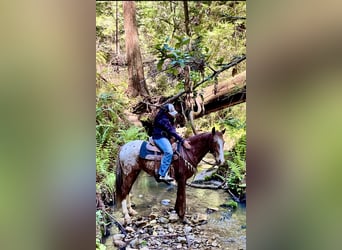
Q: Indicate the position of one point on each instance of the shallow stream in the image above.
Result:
(227, 226)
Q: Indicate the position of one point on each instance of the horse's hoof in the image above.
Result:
(128, 220)
(132, 212)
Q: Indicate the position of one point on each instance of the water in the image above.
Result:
(229, 227)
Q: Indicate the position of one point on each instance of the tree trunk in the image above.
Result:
(136, 80)
(117, 44)
(186, 17)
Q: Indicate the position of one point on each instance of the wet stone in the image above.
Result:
(118, 236)
(187, 229)
(173, 218)
(212, 210)
(181, 239)
(163, 220)
(130, 230)
(119, 243)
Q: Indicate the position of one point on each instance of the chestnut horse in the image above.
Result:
(129, 165)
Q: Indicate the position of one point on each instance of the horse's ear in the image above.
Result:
(213, 131)
(223, 131)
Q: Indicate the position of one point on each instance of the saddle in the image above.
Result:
(150, 151)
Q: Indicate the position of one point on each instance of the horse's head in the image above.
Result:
(216, 147)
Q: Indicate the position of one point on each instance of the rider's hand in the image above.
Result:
(186, 144)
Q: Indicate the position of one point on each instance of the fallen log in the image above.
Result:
(225, 94)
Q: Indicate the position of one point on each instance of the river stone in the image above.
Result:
(195, 218)
(165, 202)
(130, 229)
(170, 229)
(118, 236)
(153, 222)
(134, 243)
(153, 215)
(141, 223)
(181, 239)
(202, 176)
(212, 209)
(173, 217)
(163, 220)
(119, 243)
(187, 229)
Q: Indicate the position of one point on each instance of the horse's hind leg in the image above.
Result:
(131, 211)
(126, 203)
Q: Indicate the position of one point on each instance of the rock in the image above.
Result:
(153, 215)
(212, 209)
(141, 223)
(187, 229)
(165, 202)
(130, 229)
(118, 236)
(195, 218)
(153, 222)
(163, 220)
(119, 243)
(135, 243)
(170, 229)
(173, 217)
(181, 239)
(204, 175)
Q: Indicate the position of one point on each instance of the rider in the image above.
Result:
(163, 129)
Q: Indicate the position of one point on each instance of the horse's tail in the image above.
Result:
(118, 183)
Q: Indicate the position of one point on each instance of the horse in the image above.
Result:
(129, 164)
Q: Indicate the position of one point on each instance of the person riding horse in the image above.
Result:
(163, 130)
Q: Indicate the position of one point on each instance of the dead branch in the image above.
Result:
(215, 74)
(208, 186)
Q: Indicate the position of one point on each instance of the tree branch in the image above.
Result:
(227, 66)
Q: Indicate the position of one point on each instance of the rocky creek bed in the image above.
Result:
(211, 225)
(163, 230)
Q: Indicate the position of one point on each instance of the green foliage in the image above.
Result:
(237, 165)
(232, 204)
(100, 227)
(109, 182)
(132, 133)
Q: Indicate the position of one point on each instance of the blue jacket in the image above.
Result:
(163, 127)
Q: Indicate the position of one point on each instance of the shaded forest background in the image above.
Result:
(182, 50)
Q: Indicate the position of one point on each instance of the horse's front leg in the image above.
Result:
(181, 199)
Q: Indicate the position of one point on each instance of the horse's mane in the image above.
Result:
(199, 137)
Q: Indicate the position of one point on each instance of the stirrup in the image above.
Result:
(166, 178)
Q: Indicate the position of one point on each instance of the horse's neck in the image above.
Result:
(200, 144)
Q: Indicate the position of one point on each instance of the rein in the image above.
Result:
(209, 163)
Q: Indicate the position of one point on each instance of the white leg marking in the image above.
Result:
(131, 211)
(125, 211)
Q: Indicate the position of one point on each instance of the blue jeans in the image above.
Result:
(165, 145)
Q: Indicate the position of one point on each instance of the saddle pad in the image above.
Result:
(147, 154)
(152, 148)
